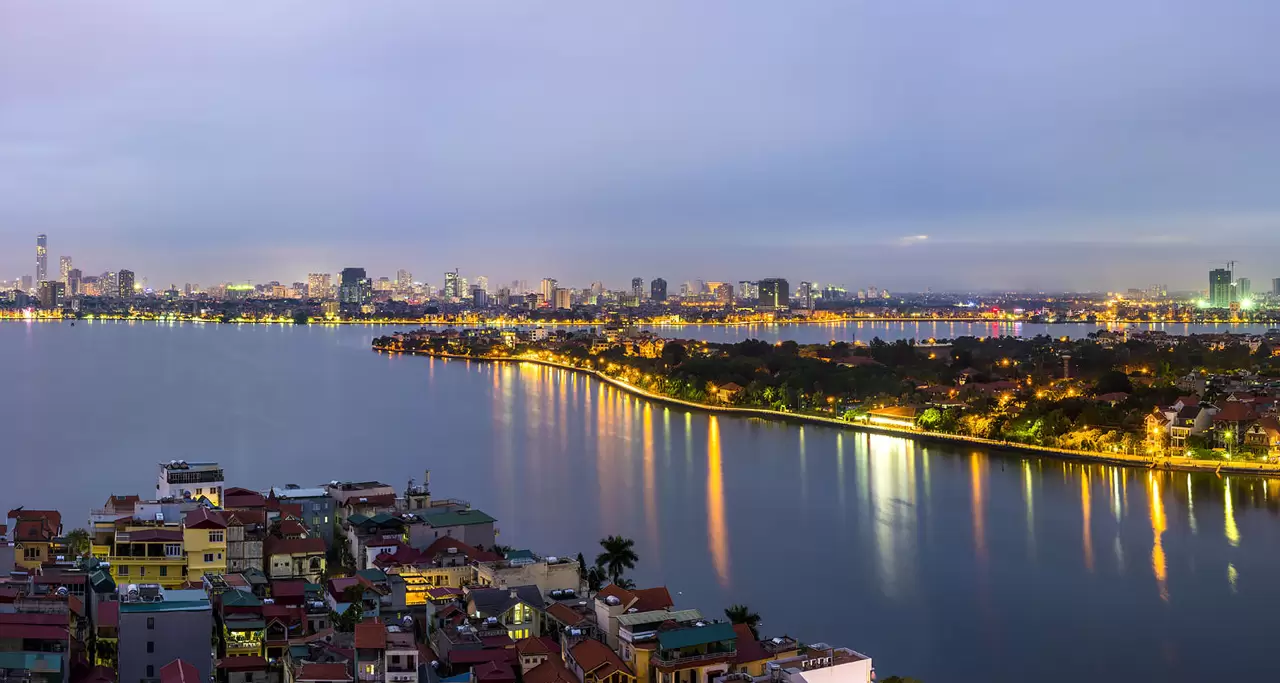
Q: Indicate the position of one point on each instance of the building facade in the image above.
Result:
(159, 627)
(775, 294)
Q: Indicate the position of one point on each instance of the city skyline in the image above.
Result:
(829, 142)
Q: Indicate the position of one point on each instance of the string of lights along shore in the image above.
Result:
(352, 293)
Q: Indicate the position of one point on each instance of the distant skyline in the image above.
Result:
(908, 145)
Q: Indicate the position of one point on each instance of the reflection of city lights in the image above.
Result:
(717, 531)
(1158, 526)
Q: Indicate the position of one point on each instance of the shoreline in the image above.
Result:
(593, 323)
(1120, 459)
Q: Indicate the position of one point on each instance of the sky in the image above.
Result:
(906, 144)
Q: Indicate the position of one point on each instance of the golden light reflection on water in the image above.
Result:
(1028, 496)
(977, 472)
(650, 485)
(1191, 506)
(1087, 513)
(1158, 526)
(717, 531)
(1232, 575)
(1233, 533)
(840, 482)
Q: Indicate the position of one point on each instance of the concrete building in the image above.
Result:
(820, 663)
(124, 281)
(159, 626)
(318, 508)
(318, 285)
(658, 289)
(775, 294)
(182, 479)
(473, 527)
(523, 568)
(564, 299)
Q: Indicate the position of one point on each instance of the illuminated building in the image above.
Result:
(775, 294)
(298, 557)
(383, 284)
(51, 294)
(404, 281)
(124, 280)
(451, 290)
(518, 609)
(355, 287)
(483, 283)
(42, 258)
(26, 283)
(806, 296)
(1219, 288)
(74, 277)
(658, 289)
(64, 267)
(330, 309)
(564, 298)
(181, 479)
(1244, 288)
(637, 288)
(548, 289)
(748, 290)
(318, 285)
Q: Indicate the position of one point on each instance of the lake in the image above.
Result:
(941, 562)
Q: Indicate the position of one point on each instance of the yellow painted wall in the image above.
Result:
(197, 543)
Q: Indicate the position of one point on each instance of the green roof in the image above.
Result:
(458, 518)
(235, 598)
(520, 555)
(102, 582)
(696, 635)
(373, 574)
(166, 606)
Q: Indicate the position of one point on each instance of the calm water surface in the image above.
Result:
(942, 563)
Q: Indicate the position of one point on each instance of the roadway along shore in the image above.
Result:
(1171, 464)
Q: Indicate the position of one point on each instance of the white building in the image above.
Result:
(182, 479)
(820, 664)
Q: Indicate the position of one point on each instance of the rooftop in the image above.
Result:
(696, 635)
(456, 518)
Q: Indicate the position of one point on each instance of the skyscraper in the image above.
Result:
(1275, 286)
(64, 265)
(404, 281)
(806, 296)
(107, 285)
(658, 289)
(1219, 288)
(564, 298)
(1244, 289)
(549, 290)
(637, 288)
(451, 290)
(318, 285)
(42, 258)
(124, 279)
(775, 294)
(479, 297)
(483, 283)
(355, 287)
(73, 282)
(51, 294)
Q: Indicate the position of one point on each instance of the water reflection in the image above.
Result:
(650, 485)
(977, 472)
(1233, 532)
(1158, 568)
(717, 534)
(1087, 513)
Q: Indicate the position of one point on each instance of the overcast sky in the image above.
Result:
(1084, 145)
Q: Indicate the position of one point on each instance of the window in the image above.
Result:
(151, 646)
(326, 519)
(215, 536)
(164, 571)
(199, 492)
(208, 557)
(151, 671)
(315, 521)
(142, 571)
(122, 570)
(173, 550)
(315, 507)
(151, 623)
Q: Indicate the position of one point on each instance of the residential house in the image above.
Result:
(316, 505)
(243, 631)
(1187, 416)
(519, 609)
(296, 556)
(523, 568)
(820, 663)
(246, 531)
(612, 602)
(754, 654)
(36, 646)
(591, 661)
(1231, 422)
(204, 537)
(159, 626)
(638, 635)
(368, 537)
(366, 498)
(726, 393)
(402, 657)
(370, 651)
(179, 479)
(342, 592)
(534, 651)
(472, 527)
(106, 633)
(148, 554)
(35, 534)
(1264, 435)
(692, 654)
(242, 670)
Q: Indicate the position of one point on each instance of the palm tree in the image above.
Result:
(741, 614)
(595, 579)
(77, 543)
(617, 557)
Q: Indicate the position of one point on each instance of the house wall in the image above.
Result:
(176, 635)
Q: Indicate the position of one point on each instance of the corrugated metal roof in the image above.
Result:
(656, 616)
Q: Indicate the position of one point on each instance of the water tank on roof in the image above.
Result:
(553, 559)
(612, 600)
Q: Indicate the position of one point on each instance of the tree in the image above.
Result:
(78, 543)
(741, 614)
(618, 556)
(301, 317)
(346, 622)
(1112, 381)
(500, 549)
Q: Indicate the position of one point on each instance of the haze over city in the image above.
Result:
(909, 145)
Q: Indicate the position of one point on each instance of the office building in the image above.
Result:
(404, 281)
(1244, 289)
(806, 296)
(42, 258)
(483, 283)
(124, 280)
(748, 290)
(1275, 286)
(26, 283)
(355, 289)
(479, 297)
(318, 285)
(51, 294)
(637, 288)
(64, 267)
(451, 290)
(564, 299)
(658, 289)
(549, 289)
(1219, 288)
(775, 294)
(157, 626)
(74, 277)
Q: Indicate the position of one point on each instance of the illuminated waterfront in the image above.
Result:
(947, 564)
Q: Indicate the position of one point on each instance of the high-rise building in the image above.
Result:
(775, 294)
(806, 296)
(563, 298)
(42, 258)
(355, 288)
(483, 283)
(64, 265)
(404, 281)
(479, 297)
(748, 290)
(549, 289)
(124, 280)
(451, 290)
(722, 291)
(637, 288)
(51, 294)
(26, 283)
(73, 282)
(107, 285)
(1275, 286)
(658, 289)
(318, 285)
(1219, 288)
(1244, 288)
(384, 284)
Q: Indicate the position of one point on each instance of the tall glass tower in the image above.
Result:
(42, 258)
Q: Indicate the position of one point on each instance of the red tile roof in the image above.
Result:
(292, 527)
(1235, 411)
(109, 614)
(122, 503)
(371, 635)
(649, 599)
(245, 517)
(155, 535)
(52, 517)
(179, 671)
(565, 614)
(596, 658)
(242, 498)
(322, 672)
(275, 545)
(248, 663)
(550, 671)
(494, 672)
(97, 674)
(537, 646)
(288, 588)
(204, 518)
(442, 545)
(466, 657)
(496, 642)
(749, 649)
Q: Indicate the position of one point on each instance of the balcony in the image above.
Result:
(679, 658)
